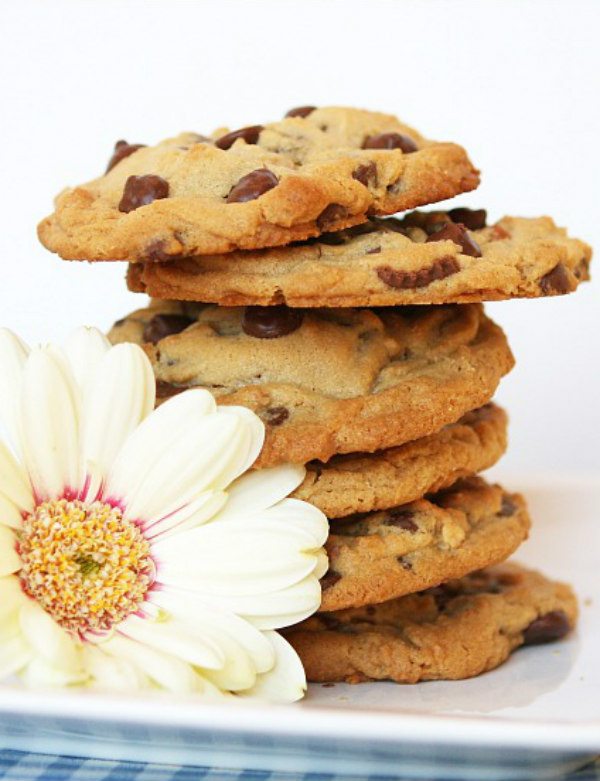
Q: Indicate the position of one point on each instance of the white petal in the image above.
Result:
(10, 514)
(322, 564)
(112, 673)
(84, 349)
(167, 671)
(13, 354)
(253, 439)
(177, 453)
(193, 514)
(175, 638)
(48, 639)
(260, 489)
(234, 558)
(11, 597)
(301, 516)
(9, 558)
(122, 395)
(214, 621)
(14, 484)
(50, 425)
(15, 654)
(286, 682)
(40, 673)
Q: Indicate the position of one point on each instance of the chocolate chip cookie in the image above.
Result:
(259, 186)
(360, 482)
(374, 557)
(461, 629)
(327, 381)
(425, 258)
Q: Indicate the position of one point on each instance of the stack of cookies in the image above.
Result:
(279, 282)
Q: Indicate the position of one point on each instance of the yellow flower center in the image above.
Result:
(85, 564)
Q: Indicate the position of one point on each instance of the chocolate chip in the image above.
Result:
(142, 190)
(457, 233)
(301, 111)
(275, 416)
(556, 281)
(390, 141)
(508, 507)
(164, 390)
(546, 628)
(330, 579)
(402, 519)
(155, 252)
(374, 251)
(250, 135)
(473, 219)
(366, 174)
(331, 214)
(165, 325)
(122, 150)
(409, 280)
(271, 322)
(252, 186)
(404, 563)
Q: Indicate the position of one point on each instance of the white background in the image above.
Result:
(516, 82)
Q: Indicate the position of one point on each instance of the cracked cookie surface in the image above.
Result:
(364, 482)
(261, 186)
(378, 556)
(461, 629)
(386, 262)
(327, 381)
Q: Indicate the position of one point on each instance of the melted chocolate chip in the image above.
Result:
(122, 150)
(155, 252)
(142, 190)
(331, 214)
(546, 628)
(457, 233)
(390, 141)
(252, 186)
(271, 322)
(164, 390)
(165, 325)
(402, 519)
(473, 219)
(556, 281)
(508, 507)
(366, 174)
(330, 579)
(410, 280)
(249, 134)
(300, 111)
(374, 251)
(275, 416)
(404, 563)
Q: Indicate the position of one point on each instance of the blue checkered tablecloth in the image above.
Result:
(22, 766)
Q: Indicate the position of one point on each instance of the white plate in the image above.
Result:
(538, 716)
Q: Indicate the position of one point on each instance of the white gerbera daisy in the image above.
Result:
(132, 553)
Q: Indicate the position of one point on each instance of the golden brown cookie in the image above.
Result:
(374, 557)
(458, 630)
(425, 258)
(327, 381)
(359, 482)
(260, 186)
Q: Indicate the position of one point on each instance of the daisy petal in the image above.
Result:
(175, 638)
(286, 682)
(40, 673)
(253, 440)
(111, 416)
(10, 561)
(168, 671)
(84, 348)
(50, 426)
(14, 484)
(11, 597)
(13, 354)
(48, 639)
(193, 514)
(185, 454)
(112, 672)
(9, 513)
(15, 654)
(260, 489)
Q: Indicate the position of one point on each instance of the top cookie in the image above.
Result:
(425, 258)
(315, 170)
